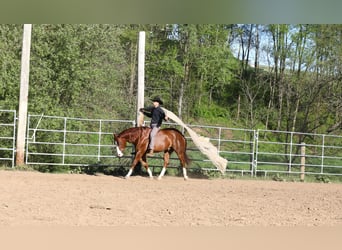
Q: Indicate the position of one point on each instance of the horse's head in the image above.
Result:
(120, 144)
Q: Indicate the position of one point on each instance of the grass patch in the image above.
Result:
(17, 168)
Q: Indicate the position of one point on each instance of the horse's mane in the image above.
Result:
(131, 131)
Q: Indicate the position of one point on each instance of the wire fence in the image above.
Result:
(64, 141)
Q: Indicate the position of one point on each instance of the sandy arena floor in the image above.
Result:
(30, 198)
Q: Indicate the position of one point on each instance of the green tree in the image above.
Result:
(77, 70)
(90, 71)
(10, 55)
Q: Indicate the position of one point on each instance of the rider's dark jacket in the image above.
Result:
(156, 113)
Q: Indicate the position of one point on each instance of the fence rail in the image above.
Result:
(65, 141)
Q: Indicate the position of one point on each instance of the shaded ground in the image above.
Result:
(30, 198)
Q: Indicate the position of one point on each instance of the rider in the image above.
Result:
(157, 114)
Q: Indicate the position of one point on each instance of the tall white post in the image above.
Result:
(23, 99)
(141, 76)
(302, 161)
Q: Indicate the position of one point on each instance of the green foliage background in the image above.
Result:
(284, 77)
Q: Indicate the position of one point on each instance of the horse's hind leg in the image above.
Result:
(166, 162)
(183, 163)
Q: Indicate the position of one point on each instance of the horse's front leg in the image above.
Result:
(137, 158)
(143, 162)
(185, 174)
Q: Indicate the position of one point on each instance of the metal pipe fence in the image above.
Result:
(7, 137)
(281, 152)
(53, 140)
(64, 141)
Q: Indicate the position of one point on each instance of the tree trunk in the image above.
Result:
(295, 115)
(257, 45)
(180, 100)
(133, 51)
(238, 108)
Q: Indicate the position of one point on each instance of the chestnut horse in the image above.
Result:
(166, 140)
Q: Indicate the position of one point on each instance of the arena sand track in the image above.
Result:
(31, 198)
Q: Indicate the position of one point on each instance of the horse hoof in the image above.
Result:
(186, 178)
(126, 177)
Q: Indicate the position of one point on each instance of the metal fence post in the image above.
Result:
(64, 139)
(322, 161)
(14, 136)
(290, 153)
(99, 147)
(27, 140)
(256, 141)
(219, 141)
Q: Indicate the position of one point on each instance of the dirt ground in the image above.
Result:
(31, 198)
